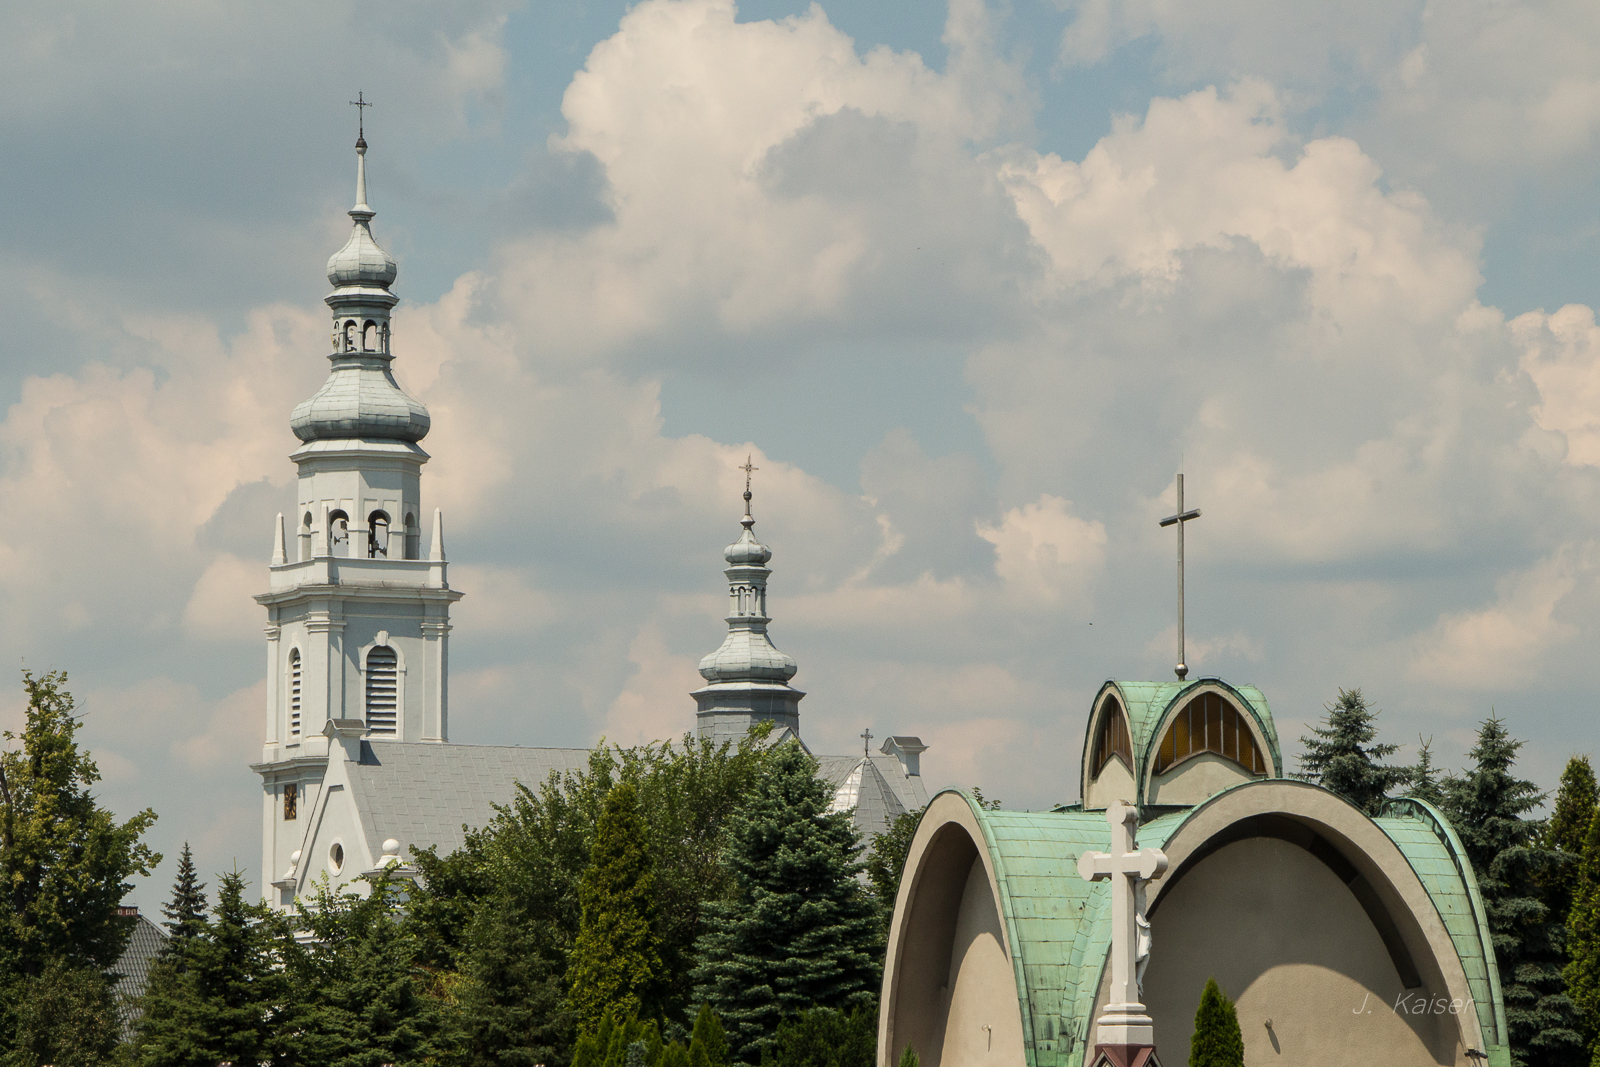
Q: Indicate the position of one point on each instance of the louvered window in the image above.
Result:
(1208, 723)
(383, 691)
(294, 692)
(1114, 739)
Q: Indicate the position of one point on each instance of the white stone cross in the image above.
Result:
(1124, 1021)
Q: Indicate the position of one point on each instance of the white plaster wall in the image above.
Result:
(1290, 943)
(1114, 783)
(1197, 778)
(984, 1025)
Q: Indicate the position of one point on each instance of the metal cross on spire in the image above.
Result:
(748, 469)
(361, 103)
(1182, 670)
(866, 742)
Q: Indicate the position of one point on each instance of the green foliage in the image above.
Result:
(628, 1043)
(1340, 755)
(1423, 779)
(64, 861)
(1582, 972)
(1217, 1041)
(823, 1037)
(615, 961)
(66, 1016)
(908, 1058)
(708, 1045)
(983, 801)
(798, 931)
(186, 912)
(1489, 807)
(513, 1008)
(887, 862)
(217, 992)
(1568, 829)
(363, 996)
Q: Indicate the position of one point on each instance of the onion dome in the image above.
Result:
(360, 399)
(361, 261)
(747, 654)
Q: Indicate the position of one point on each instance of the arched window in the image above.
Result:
(384, 343)
(1208, 723)
(338, 533)
(377, 535)
(369, 337)
(294, 692)
(413, 538)
(383, 691)
(1112, 739)
(306, 527)
(350, 336)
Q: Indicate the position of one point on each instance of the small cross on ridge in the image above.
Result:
(866, 742)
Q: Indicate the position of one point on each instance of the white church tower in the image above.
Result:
(359, 606)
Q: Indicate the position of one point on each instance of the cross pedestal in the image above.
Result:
(1124, 1033)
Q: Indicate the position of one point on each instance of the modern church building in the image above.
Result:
(357, 767)
(1345, 940)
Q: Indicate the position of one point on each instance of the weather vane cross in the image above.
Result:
(361, 103)
(1182, 670)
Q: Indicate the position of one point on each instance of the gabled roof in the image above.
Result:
(875, 787)
(133, 969)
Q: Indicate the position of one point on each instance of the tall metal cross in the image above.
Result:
(361, 103)
(866, 741)
(1182, 670)
(748, 468)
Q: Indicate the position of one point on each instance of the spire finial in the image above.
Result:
(748, 469)
(361, 103)
(1178, 519)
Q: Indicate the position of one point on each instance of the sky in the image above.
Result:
(971, 285)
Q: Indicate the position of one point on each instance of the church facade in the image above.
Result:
(357, 767)
(1343, 939)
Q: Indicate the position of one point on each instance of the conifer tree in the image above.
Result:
(513, 1003)
(186, 912)
(1489, 806)
(216, 993)
(616, 962)
(1576, 798)
(887, 862)
(1217, 1040)
(1582, 972)
(1340, 754)
(823, 1037)
(1424, 781)
(708, 1044)
(799, 931)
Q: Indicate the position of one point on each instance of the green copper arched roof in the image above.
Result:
(1148, 706)
(1058, 926)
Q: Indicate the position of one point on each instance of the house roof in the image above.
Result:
(133, 969)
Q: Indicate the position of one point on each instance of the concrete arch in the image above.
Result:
(952, 950)
(1273, 855)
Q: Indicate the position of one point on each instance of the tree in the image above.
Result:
(616, 962)
(66, 1016)
(708, 1044)
(64, 861)
(1217, 1041)
(887, 862)
(799, 931)
(1576, 798)
(216, 993)
(1340, 754)
(513, 999)
(1582, 972)
(1423, 780)
(1488, 806)
(363, 1000)
(823, 1037)
(186, 912)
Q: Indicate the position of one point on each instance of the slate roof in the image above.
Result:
(133, 966)
(424, 795)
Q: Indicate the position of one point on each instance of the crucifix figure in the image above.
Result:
(361, 103)
(1182, 670)
(1124, 1034)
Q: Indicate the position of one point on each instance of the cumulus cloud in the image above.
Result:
(1043, 551)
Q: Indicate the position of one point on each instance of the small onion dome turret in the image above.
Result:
(747, 551)
(360, 399)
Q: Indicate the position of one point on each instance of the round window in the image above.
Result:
(336, 857)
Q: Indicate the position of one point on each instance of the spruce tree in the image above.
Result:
(1582, 972)
(1568, 829)
(513, 1000)
(186, 912)
(616, 962)
(799, 931)
(1423, 780)
(1217, 1041)
(1340, 754)
(216, 993)
(1489, 807)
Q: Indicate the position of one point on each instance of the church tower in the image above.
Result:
(748, 678)
(358, 605)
